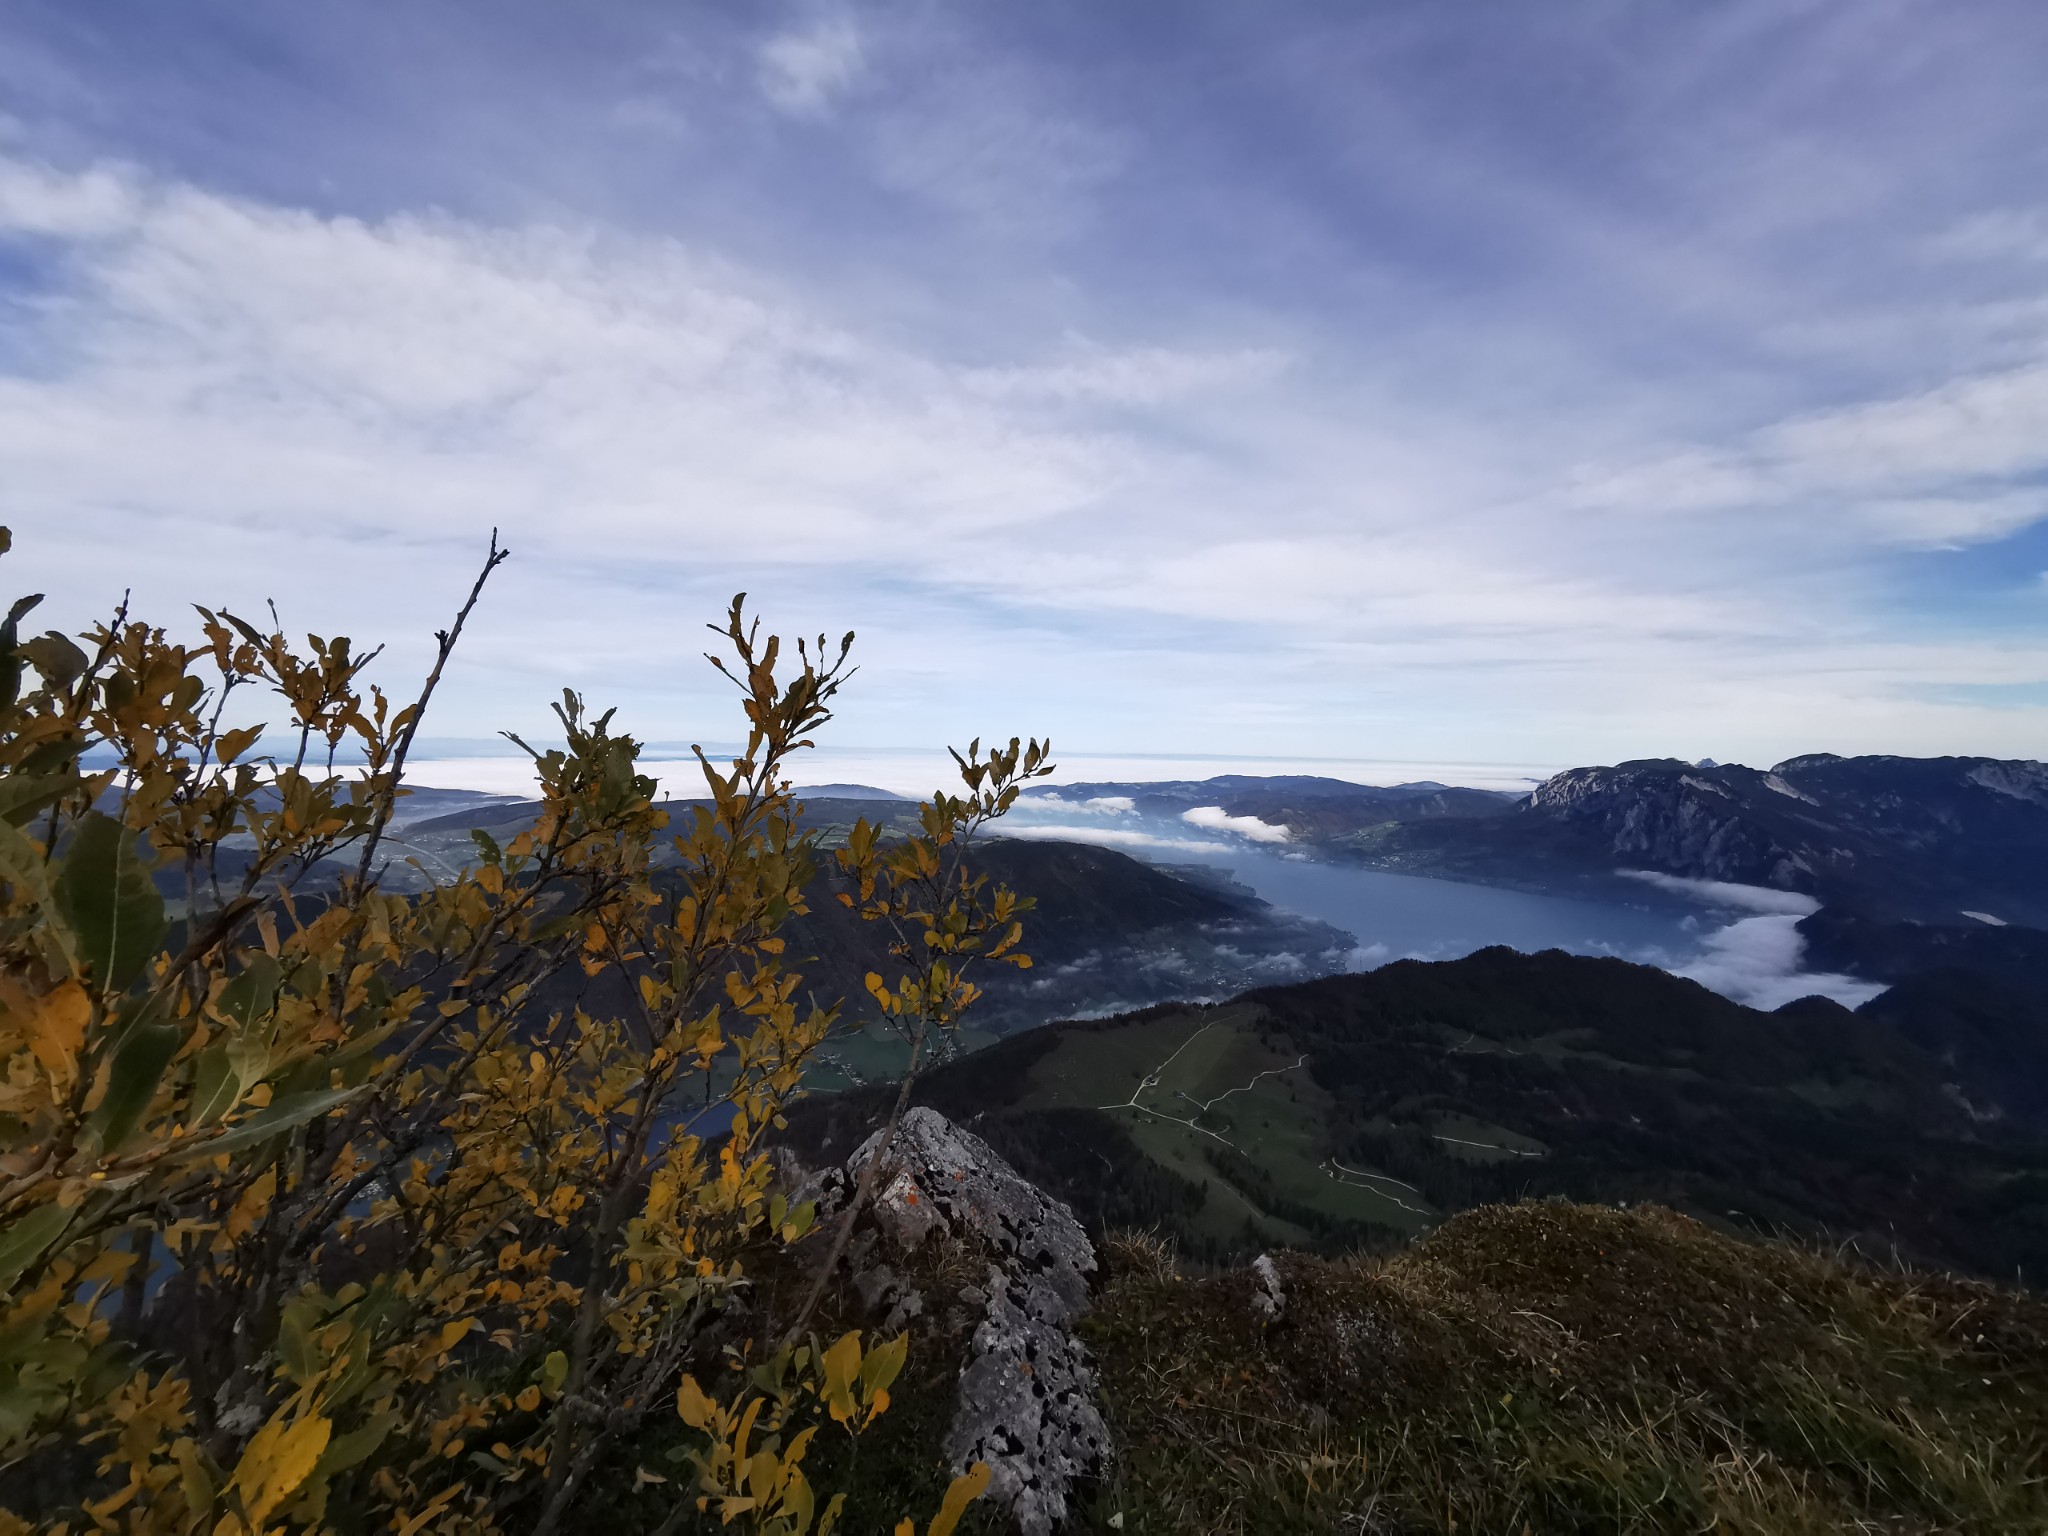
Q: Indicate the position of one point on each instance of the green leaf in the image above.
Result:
(295, 1344)
(106, 895)
(24, 794)
(22, 867)
(26, 1239)
(281, 1116)
(215, 1084)
(145, 1050)
(253, 993)
(554, 1370)
(486, 846)
(345, 1451)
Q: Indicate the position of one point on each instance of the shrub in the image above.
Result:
(329, 1204)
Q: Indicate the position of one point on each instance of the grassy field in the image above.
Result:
(874, 1055)
(1206, 1094)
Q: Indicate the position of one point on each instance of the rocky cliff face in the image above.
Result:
(1682, 821)
(1929, 837)
(1027, 1391)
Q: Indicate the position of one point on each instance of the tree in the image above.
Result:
(329, 1203)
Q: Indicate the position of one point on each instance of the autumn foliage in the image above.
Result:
(332, 1202)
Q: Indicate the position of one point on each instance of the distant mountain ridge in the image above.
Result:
(1945, 839)
(1311, 807)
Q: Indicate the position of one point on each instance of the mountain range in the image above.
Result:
(1935, 840)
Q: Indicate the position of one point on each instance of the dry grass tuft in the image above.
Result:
(1555, 1367)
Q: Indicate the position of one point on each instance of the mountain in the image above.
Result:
(1949, 840)
(1314, 810)
(1366, 1108)
(1108, 933)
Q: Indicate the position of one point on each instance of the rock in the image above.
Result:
(1027, 1391)
(1269, 1297)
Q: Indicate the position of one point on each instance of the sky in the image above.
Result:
(1310, 382)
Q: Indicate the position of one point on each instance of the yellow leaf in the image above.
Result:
(254, 1202)
(57, 1030)
(841, 1365)
(277, 1461)
(966, 1488)
(695, 1409)
(528, 1400)
(233, 744)
(451, 1333)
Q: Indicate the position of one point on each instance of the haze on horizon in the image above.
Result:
(1492, 383)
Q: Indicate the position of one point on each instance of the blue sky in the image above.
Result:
(1519, 383)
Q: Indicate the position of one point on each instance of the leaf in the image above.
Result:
(277, 1461)
(295, 1344)
(692, 1406)
(841, 1365)
(53, 655)
(26, 1239)
(486, 846)
(145, 1050)
(21, 866)
(57, 1031)
(10, 658)
(215, 1086)
(233, 744)
(253, 993)
(966, 1488)
(882, 1365)
(345, 1451)
(106, 895)
(283, 1115)
(192, 1472)
(554, 1370)
(24, 794)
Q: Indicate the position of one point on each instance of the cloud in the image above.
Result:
(1960, 462)
(1384, 411)
(1215, 819)
(1098, 805)
(1725, 893)
(1757, 961)
(1106, 837)
(803, 70)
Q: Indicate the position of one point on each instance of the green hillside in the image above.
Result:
(1360, 1110)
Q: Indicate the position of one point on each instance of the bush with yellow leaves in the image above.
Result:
(328, 1204)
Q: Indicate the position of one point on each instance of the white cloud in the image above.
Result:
(1757, 961)
(1726, 893)
(1098, 805)
(36, 200)
(1956, 462)
(1107, 837)
(803, 71)
(1215, 819)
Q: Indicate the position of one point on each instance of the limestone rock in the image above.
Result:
(1269, 1297)
(1027, 1391)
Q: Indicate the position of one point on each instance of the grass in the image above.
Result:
(1199, 1089)
(1556, 1367)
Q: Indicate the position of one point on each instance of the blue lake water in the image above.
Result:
(1741, 942)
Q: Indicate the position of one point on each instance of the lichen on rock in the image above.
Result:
(1027, 1392)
